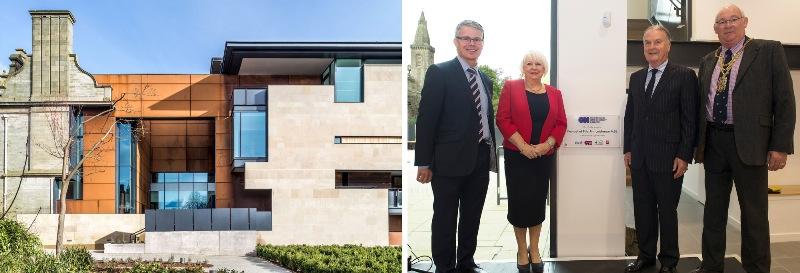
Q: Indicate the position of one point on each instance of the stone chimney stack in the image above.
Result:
(52, 47)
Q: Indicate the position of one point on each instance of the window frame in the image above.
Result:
(248, 106)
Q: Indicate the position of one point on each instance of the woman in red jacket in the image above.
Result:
(532, 120)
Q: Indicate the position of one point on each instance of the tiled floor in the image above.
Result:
(496, 237)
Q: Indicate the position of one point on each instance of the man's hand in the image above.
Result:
(627, 158)
(424, 174)
(679, 167)
(776, 160)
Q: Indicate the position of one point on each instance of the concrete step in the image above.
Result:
(123, 248)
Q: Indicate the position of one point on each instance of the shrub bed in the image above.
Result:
(334, 259)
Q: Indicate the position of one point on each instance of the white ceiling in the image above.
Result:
(284, 66)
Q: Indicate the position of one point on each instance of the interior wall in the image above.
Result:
(638, 9)
(766, 21)
(591, 83)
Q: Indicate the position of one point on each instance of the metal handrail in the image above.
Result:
(133, 238)
(499, 169)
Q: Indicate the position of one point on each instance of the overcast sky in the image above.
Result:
(512, 28)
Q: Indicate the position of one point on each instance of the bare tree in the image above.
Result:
(64, 127)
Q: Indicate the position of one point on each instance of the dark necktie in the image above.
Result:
(720, 110)
(476, 98)
(651, 85)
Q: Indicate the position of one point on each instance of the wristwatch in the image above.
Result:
(550, 141)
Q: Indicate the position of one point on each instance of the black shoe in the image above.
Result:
(524, 268)
(667, 269)
(638, 265)
(537, 267)
(470, 269)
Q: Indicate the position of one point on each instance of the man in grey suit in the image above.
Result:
(660, 128)
(746, 128)
(455, 149)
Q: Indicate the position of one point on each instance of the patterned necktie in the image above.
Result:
(476, 98)
(720, 110)
(651, 85)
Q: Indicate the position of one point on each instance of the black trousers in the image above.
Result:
(458, 201)
(723, 169)
(655, 206)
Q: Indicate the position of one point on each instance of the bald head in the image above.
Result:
(730, 9)
(730, 25)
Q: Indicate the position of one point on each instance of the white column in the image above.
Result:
(591, 75)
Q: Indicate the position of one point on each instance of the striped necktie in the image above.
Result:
(476, 98)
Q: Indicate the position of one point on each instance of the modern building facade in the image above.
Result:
(308, 131)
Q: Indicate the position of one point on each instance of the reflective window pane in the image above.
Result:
(170, 177)
(250, 139)
(201, 177)
(186, 177)
(239, 96)
(256, 96)
(347, 81)
(171, 200)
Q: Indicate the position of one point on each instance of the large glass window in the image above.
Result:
(182, 191)
(75, 190)
(347, 81)
(249, 125)
(250, 134)
(126, 168)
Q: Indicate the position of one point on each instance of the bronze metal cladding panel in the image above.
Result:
(99, 175)
(166, 91)
(170, 108)
(207, 91)
(223, 174)
(167, 127)
(200, 141)
(199, 128)
(224, 190)
(169, 153)
(206, 78)
(168, 165)
(105, 206)
(199, 165)
(98, 191)
(169, 78)
(168, 141)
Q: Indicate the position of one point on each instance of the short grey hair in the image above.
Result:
(534, 56)
(658, 27)
(469, 23)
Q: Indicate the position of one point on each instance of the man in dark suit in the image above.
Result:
(455, 149)
(660, 128)
(747, 119)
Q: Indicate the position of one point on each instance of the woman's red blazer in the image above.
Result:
(513, 115)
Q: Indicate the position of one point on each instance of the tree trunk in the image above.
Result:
(62, 211)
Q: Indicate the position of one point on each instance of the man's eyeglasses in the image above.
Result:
(467, 40)
(725, 22)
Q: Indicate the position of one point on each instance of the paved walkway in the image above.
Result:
(495, 236)
(248, 264)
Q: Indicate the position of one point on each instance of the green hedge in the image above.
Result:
(334, 259)
(17, 246)
(21, 251)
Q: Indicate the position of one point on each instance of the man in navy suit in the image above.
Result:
(660, 128)
(455, 149)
